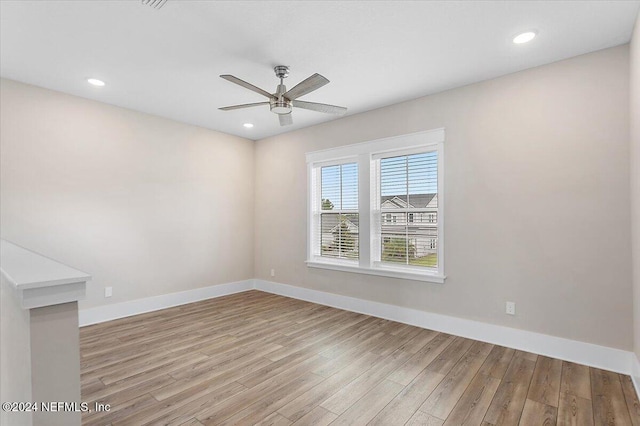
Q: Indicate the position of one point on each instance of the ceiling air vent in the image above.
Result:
(156, 4)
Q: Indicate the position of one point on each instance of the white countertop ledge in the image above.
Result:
(40, 281)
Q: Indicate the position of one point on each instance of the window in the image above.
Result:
(339, 211)
(411, 183)
(376, 207)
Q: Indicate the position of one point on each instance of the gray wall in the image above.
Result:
(537, 200)
(15, 353)
(55, 362)
(144, 204)
(635, 177)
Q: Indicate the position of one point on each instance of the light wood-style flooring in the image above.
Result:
(257, 358)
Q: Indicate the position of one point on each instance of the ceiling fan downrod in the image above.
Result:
(280, 104)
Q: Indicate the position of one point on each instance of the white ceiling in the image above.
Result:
(166, 62)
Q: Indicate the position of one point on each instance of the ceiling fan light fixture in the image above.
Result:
(281, 106)
(525, 37)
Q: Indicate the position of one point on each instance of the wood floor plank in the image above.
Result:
(450, 356)
(609, 405)
(323, 340)
(133, 406)
(631, 397)
(221, 375)
(508, 402)
(91, 387)
(474, 402)
(370, 404)
(421, 359)
(407, 402)
(574, 410)
(166, 360)
(184, 405)
(274, 419)
(220, 361)
(230, 407)
(497, 362)
(138, 384)
(191, 422)
(122, 397)
(309, 400)
(347, 358)
(113, 364)
(317, 417)
(297, 359)
(419, 340)
(575, 380)
(423, 419)
(345, 345)
(270, 402)
(536, 413)
(348, 395)
(387, 345)
(446, 395)
(545, 383)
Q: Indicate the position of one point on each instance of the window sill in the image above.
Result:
(384, 272)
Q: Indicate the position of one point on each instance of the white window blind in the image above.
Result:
(408, 202)
(338, 215)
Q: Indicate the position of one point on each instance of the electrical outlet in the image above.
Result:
(108, 291)
(273, 272)
(511, 308)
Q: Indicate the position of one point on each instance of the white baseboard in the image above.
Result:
(557, 347)
(140, 306)
(635, 373)
(569, 350)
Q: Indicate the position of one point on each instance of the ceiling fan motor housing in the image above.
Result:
(279, 104)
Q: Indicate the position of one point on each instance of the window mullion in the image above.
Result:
(406, 212)
(364, 210)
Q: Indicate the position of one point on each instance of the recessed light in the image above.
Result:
(524, 37)
(95, 82)
(248, 125)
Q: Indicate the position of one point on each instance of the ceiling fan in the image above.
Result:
(283, 101)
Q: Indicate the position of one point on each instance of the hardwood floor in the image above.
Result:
(256, 358)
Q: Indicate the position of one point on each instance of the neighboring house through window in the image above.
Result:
(339, 211)
(376, 207)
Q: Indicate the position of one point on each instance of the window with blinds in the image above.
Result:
(338, 213)
(408, 204)
(376, 207)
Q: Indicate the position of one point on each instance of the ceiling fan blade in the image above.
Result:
(314, 106)
(285, 119)
(312, 83)
(246, 85)
(229, 108)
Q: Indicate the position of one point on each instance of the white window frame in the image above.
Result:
(365, 154)
(316, 209)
